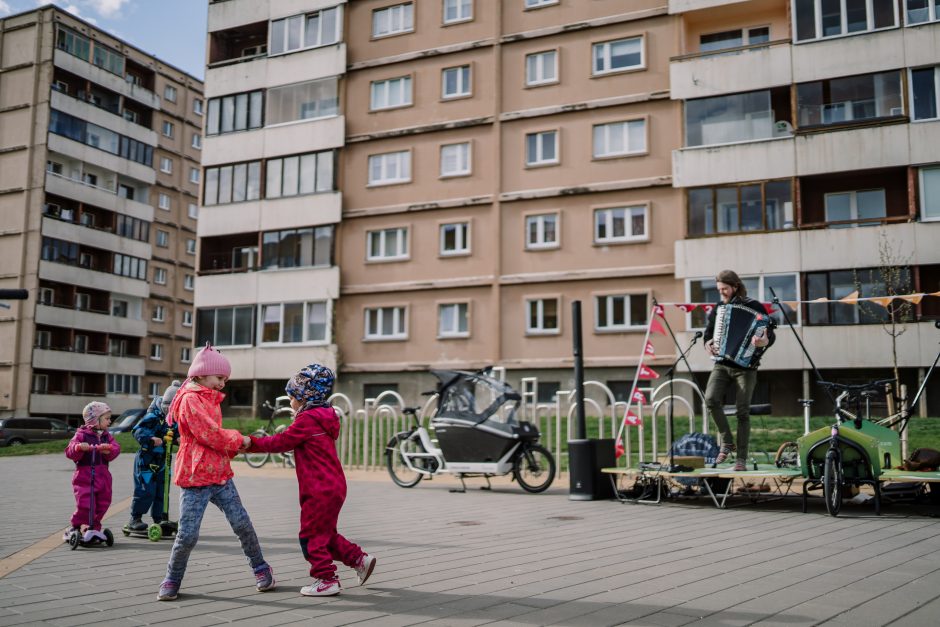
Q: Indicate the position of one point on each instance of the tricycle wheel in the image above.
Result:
(398, 470)
(832, 481)
(108, 537)
(154, 532)
(73, 539)
(534, 468)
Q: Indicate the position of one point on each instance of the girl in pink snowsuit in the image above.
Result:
(312, 436)
(92, 444)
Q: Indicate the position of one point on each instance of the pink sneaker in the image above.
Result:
(321, 588)
(365, 568)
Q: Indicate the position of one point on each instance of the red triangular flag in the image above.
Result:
(769, 308)
(659, 310)
(647, 373)
(687, 307)
(707, 307)
(648, 349)
(618, 449)
(655, 327)
(632, 419)
(638, 397)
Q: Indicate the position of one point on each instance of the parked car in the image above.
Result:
(126, 421)
(16, 431)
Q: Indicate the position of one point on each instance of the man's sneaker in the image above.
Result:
(724, 452)
(168, 590)
(740, 465)
(264, 579)
(365, 568)
(136, 524)
(321, 588)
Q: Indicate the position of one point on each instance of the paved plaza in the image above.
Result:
(502, 557)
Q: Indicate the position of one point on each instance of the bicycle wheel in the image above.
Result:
(398, 470)
(257, 460)
(832, 481)
(534, 468)
(287, 457)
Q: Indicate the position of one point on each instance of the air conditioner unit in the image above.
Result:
(252, 51)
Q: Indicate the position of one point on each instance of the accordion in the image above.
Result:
(735, 327)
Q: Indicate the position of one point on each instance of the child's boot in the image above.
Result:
(136, 524)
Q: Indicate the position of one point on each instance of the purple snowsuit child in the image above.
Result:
(93, 434)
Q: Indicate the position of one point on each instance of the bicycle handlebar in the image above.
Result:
(874, 386)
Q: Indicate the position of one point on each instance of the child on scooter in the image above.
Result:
(312, 437)
(203, 471)
(150, 461)
(91, 445)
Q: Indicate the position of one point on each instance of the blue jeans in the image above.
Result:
(193, 503)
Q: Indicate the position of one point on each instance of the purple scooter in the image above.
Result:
(91, 537)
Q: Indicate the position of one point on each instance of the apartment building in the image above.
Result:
(267, 278)
(808, 163)
(98, 201)
(502, 160)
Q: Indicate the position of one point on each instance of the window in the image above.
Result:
(758, 287)
(163, 201)
(168, 129)
(159, 276)
(232, 183)
(455, 82)
(156, 352)
(119, 308)
(390, 93)
(457, 11)
(108, 59)
(455, 239)
(235, 112)
(620, 138)
(187, 318)
(764, 206)
(197, 141)
(621, 224)
(920, 11)
(191, 246)
(186, 354)
(815, 19)
(390, 168)
(194, 175)
(197, 106)
(311, 173)
(46, 296)
(535, 4)
(541, 231)
(82, 301)
(541, 148)
(728, 119)
(43, 339)
(305, 31)
(296, 248)
(734, 38)
(288, 323)
(166, 165)
(73, 43)
(128, 266)
(117, 347)
(925, 88)
(393, 20)
(386, 323)
(615, 56)
(163, 238)
(132, 228)
(40, 383)
(452, 320)
(541, 68)
(620, 312)
(155, 389)
(193, 211)
(303, 101)
(189, 282)
(455, 159)
(542, 316)
(846, 207)
(225, 326)
(123, 384)
(169, 93)
(850, 99)
(59, 251)
(930, 193)
(97, 137)
(159, 313)
(839, 284)
(387, 244)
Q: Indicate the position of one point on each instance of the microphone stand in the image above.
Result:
(671, 374)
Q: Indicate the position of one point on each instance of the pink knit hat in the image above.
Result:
(93, 411)
(209, 362)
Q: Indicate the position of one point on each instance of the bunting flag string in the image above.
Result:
(852, 298)
(647, 374)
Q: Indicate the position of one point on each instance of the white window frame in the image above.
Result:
(166, 165)
(460, 6)
(197, 141)
(817, 16)
(452, 333)
(40, 383)
(923, 196)
(336, 37)
(461, 239)
(383, 236)
(607, 215)
(464, 85)
(402, 13)
(159, 276)
(168, 129)
(162, 239)
(156, 352)
(190, 246)
(189, 282)
(853, 202)
(159, 313)
(43, 339)
(194, 175)
(155, 389)
(187, 318)
(169, 93)
(540, 148)
(607, 301)
(746, 34)
(936, 91)
(540, 68)
(795, 319)
(163, 201)
(539, 303)
(118, 304)
(933, 13)
(402, 166)
(541, 243)
(193, 210)
(305, 339)
(197, 106)
(46, 296)
(391, 93)
(606, 45)
(463, 159)
(610, 131)
(538, 4)
(399, 315)
(186, 354)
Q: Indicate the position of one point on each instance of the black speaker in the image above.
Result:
(585, 460)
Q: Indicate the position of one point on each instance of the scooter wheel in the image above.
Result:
(125, 531)
(154, 532)
(108, 537)
(74, 539)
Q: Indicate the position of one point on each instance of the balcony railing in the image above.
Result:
(727, 51)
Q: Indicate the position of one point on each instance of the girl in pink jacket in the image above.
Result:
(92, 444)
(312, 437)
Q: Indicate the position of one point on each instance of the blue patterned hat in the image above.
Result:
(312, 386)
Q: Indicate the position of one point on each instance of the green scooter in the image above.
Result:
(165, 528)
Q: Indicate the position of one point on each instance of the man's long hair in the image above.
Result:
(730, 277)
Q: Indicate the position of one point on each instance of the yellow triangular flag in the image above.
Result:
(791, 303)
(850, 298)
(884, 301)
(914, 298)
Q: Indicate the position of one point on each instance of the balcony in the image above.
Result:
(235, 13)
(105, 281)
(98, 196)
(262, 72)
(682, 6)
(850, 149)
(274, 141)
(96, 115)
(102, 159)
(270, 215)
(45, 404)
(747, 68)
(45, 359)
(96, 238)
(68, 317)
(734, 163)
(868, 52)
(104, 78)
(267, 286)
(277, 362)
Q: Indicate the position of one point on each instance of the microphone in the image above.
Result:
(699, 334)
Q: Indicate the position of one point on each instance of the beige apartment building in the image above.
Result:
(809, 160)
(502, 160)
(99, 154)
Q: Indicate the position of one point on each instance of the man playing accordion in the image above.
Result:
(729, 372)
